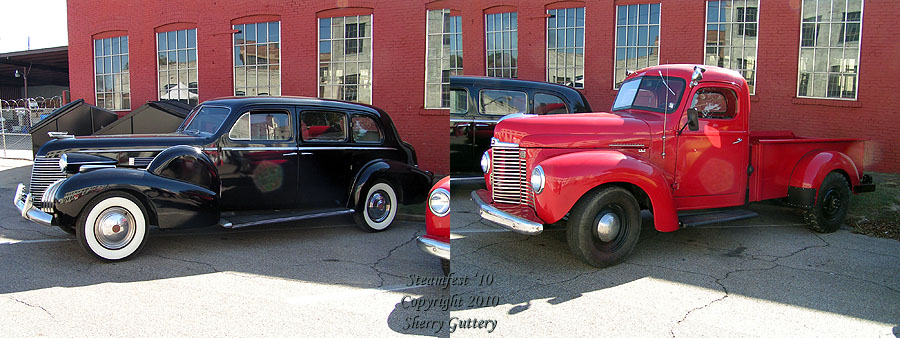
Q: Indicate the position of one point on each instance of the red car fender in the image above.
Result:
(438, 227)
(570, 176)
(814, 166)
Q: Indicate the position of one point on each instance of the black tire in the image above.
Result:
(582, 229)
(112, 205)
(373, 213)
(67, 228)
(445, 266)
(832, 203)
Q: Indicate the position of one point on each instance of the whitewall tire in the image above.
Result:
(113, 226)
(379, 207)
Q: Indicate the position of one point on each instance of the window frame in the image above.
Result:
(514, 70)
(451, 70)
(374, 119)
(755, 69)
(250, 112)
(575, 47)
(862, 9)
(196, 67)
(347, 137)
(234, 60)
(616, 35)
(370, 61)
(122, 73)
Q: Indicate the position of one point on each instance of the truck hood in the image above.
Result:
(588, 130)
(143, 143)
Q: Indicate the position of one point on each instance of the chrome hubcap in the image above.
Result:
(608, 227)
(378, 207)
(114, 228)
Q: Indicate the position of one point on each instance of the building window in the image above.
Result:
(443, 56)
(731, 42)
(112, 83)
(257, 59)
(502, 44)
(829, 49)
(565, 46)
(345, 58)
(177, 65)
(637, 39)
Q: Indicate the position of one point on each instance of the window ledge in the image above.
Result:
(827, 102)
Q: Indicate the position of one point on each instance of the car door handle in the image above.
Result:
(306, 153)
(290, 154)
(739, 140)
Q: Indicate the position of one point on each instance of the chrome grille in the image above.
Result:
(44, 172)
(509, 179)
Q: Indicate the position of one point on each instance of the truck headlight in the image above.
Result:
(63, 162)
(439, 202)
(537, 179)
(485, 162)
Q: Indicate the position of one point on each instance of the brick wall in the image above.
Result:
(873, 116)
(398, 32)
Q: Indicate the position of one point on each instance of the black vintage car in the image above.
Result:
(234, 162)
(478, 103)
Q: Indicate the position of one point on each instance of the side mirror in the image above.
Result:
(697, 75)
(693, 121)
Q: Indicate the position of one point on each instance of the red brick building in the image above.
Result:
(125, 53)
(833, 80)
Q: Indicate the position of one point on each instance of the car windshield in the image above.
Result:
(205, 120)
(650, 93)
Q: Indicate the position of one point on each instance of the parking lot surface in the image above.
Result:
(767, 276)
(322, 277)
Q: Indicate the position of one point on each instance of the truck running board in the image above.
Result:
(240, 221)
(713, 217)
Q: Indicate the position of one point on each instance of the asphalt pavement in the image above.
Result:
(767, 276)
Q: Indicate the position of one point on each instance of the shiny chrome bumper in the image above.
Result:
(23, 202)
(434, 247)
(504, 219)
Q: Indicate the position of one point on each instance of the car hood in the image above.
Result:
(587, 130)
(141, 143)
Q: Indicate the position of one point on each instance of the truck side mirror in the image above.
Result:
(693, 121)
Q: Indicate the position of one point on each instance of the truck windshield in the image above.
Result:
(205, 120)
(650, 93)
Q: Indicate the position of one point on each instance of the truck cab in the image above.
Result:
(676, 142)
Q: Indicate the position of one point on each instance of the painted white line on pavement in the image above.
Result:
(329, 297)
(7, 241)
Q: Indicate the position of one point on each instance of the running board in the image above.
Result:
(731, 215)
(239, 223)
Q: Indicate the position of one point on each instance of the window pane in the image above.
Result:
(503, 102)
(548, 104)
(323, 126)
(365, 129)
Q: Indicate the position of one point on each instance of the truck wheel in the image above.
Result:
(832, 202)
(445, 266)
(112, 227)
(377, 211)
(604, 226)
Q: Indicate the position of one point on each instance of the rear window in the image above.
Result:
(549, 104)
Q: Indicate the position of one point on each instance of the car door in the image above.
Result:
(258, 166)
(325, 158)
(711, 164)
(461, 137)
(494, 104)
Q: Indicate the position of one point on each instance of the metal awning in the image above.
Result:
(49, 66)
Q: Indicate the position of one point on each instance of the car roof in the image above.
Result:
(507, 82)
(685, 71)
(235, 102)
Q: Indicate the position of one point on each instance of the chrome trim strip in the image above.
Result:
(434, 247)
(486, 121)
(297, 148)
(120, 150)
(258, 148)
(626, 145)
(27, 209)
(496, 143)
(460, 120)
(88, 167)
(229, 225)
(516, 224)
(467, 179)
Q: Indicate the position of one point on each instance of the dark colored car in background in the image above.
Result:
(478, 103)
(234, 162)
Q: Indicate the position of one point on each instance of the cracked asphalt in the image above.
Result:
(766, 276)
(317, 277)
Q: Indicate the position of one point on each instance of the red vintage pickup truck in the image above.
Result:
(676, 142)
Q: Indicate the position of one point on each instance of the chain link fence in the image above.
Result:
(16, 119)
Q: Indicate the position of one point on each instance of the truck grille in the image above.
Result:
(44, 172)
(509, 180)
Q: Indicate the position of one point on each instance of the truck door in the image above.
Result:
(711, 164)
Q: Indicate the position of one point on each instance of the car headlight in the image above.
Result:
(439, 202)
(485, 162)
(63, 162)
(537, 179)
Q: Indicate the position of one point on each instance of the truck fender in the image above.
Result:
(570, 176)
(811, 170)
(176, 202)
(186, 163)
(411, 183)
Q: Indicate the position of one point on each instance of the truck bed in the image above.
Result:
(774, 154)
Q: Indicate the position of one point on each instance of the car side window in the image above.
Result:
(323, 126)
(262, 126)
(549, 104)
(459, 101)
(365, 129)
(713, 103)
(503, 102)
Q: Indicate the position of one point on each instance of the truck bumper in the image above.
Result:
(23, 202)
(434, 247)
(506, 219)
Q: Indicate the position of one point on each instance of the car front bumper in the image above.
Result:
(509, 220)
(24, 203)
(434, 247)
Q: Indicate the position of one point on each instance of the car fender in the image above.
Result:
(171, 203)
(571, 176)
(810, 171)
(411, 183)
(186, 163)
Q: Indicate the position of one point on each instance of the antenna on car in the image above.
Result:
(665, 108)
